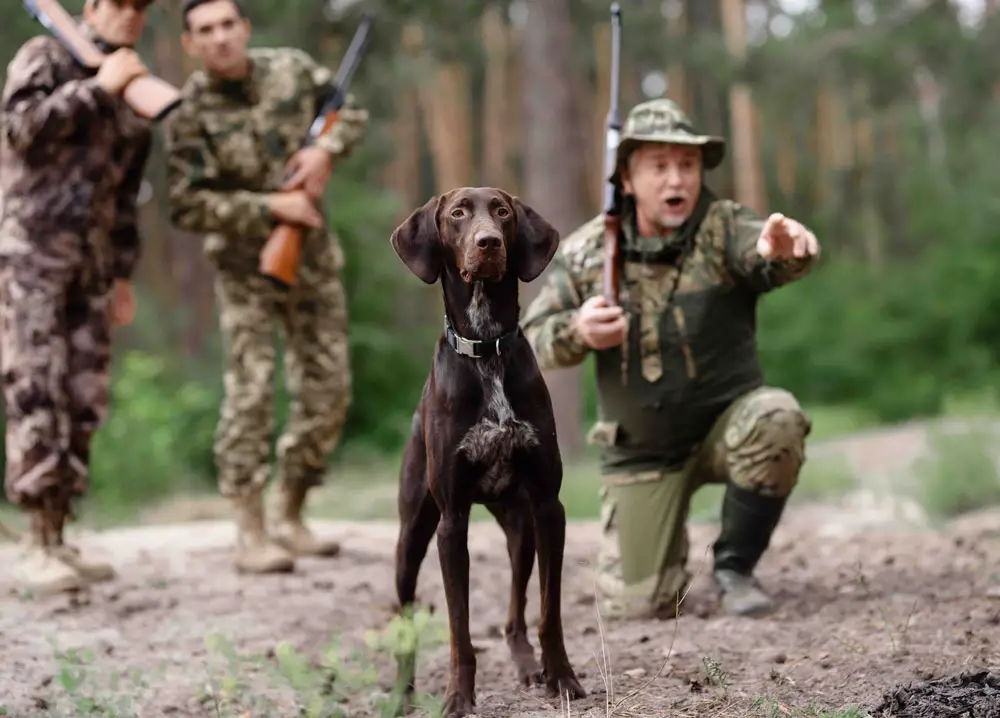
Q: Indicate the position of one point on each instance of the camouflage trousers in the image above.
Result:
(55, 337)
(758, 443)
(312, 316)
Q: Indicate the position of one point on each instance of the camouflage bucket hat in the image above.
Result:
(661, 120)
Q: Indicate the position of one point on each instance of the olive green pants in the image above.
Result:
(758, 443)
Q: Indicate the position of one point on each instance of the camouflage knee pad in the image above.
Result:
(765, 442)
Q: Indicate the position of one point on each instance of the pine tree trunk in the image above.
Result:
(553, 161)
(747, 173)
(496, 169)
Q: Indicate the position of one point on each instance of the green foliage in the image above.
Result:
(157, 438)
(388, 358)
(897, 340)
(959, 474)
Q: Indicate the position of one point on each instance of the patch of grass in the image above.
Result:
(244, 684)
(959, 473)
(285, 681)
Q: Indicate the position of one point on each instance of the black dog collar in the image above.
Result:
(477, 348)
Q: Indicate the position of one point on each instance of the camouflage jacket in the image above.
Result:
(228, 144)
(683, 363)
(71, 161)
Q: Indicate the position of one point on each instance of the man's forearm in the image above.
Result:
(555, 341)
(239, 212)
(33, 117)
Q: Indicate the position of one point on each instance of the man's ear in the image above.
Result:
(417, 242)
(535, 244)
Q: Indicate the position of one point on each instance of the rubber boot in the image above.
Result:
(255, 551)
(748, 521)
(40, 568)
(290, 531)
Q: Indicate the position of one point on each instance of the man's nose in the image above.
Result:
(673, 176)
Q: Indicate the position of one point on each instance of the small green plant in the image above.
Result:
(322, 687)
(83, 693)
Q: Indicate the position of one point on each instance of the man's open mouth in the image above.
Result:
(675, 202)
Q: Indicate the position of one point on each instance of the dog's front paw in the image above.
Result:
(564, 684)
(529, 671)
(457, 705)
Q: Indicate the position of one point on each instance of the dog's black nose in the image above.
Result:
(488, 241)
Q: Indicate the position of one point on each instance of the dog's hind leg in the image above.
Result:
(516, 522)
(418, 519)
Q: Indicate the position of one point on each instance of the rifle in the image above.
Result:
(612, 194)
(148, 96)
(279, 259)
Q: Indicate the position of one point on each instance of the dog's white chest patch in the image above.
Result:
(499, 432)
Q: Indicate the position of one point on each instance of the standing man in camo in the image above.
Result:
(71, 161)
(229, 148)
(692, 407)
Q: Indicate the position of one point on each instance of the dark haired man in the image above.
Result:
(72, 155)
(230, 146)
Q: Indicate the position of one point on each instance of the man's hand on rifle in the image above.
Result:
(784, 238)
(122, 303)
(309, 169)
(600, 326)
(295, 207)
(120, 68)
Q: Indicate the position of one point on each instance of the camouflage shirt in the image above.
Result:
(229, 141)
(71, 161)
(684, 363)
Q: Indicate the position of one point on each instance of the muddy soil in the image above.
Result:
(859, 614)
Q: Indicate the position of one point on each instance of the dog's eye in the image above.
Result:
(502, 212)
(458, 213)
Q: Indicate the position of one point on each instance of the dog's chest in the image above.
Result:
(499, 432)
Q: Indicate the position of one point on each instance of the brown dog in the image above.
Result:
(484, 431)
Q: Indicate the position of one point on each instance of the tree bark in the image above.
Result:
(553, 164)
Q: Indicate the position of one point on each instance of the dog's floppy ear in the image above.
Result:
(418, 243)
(536, 242)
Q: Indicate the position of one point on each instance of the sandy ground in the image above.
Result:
(859, 613)
(872, 604)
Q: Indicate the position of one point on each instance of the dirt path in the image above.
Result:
(859, 613)
(870, 600)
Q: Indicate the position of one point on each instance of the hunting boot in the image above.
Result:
(255, 551)
(290, 531)
(41, 568)
(93, 571)
(748, 520)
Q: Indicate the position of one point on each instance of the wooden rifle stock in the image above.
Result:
(280, 257)
(612, 193)
(148, 96)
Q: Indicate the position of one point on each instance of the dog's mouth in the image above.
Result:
(488, 271)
